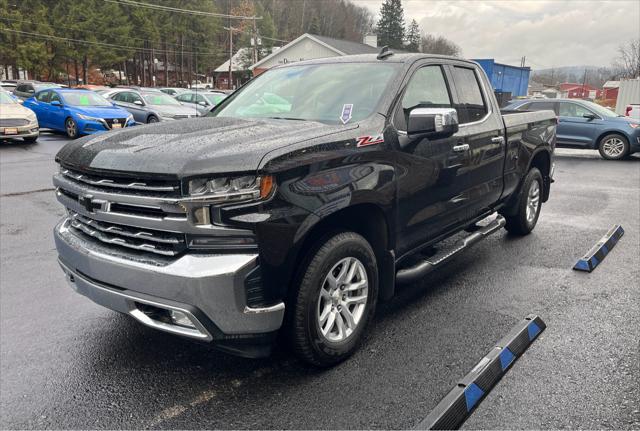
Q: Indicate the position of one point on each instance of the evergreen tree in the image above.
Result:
(390, 28)
(413, 37)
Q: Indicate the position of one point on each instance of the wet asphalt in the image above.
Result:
(68, 363)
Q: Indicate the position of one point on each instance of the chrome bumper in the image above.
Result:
(208, 289)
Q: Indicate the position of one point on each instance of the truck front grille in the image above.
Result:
(147, 240)
(157, 187)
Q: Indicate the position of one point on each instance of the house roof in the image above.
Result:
(237, 64)
(339, 46)
(611, 84)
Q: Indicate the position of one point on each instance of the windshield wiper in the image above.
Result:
(286, 118)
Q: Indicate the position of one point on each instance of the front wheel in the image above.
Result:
(152, 119)
(613, 147)
(529, 204)
(335, 300)
(71, 127)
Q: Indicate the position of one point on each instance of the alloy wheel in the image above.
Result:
(533, 201)
(343, 299)
(613, 147)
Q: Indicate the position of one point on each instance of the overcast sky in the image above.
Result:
(548, 33)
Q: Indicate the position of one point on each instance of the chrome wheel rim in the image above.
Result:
(71, 128)
(613, 147)
(533, 201)
(343, 299)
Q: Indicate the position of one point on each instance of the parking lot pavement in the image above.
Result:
(67, 363)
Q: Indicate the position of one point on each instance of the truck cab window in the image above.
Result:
(471, 106)
(428, 89)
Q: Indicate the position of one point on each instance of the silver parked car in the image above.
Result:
(151, 106)
(201, 101)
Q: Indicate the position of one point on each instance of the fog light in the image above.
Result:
(181, 319)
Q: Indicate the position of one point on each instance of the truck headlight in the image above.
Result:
(227, 189)
(129, 118)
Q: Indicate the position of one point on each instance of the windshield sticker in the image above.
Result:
(364, 141)
(346, 113)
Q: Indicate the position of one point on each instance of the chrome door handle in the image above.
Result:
(498, 140)
(461, 147)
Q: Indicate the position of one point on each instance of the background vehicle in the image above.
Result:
(201, 101)
(16, 121)
(151, 106)
(77, 112)
(312, 207)
(26, 89)
(632, 111)
(8, 85)
(173, 91)
(584, 124)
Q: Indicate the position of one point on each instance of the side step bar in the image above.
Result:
(409, 275)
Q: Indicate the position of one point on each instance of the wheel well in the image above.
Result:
(542, 161)
(367, 220)
(603, 134)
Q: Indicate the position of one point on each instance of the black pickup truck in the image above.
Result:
(299, 202)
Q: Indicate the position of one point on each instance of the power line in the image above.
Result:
(108, 45)
(178, 10)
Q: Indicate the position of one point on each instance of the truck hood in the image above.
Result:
(190, 147)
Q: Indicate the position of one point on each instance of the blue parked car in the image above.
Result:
(77, 112)
(584, 124)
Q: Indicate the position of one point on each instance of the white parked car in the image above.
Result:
(16, 121)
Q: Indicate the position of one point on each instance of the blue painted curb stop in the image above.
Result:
(461, 401)
(598, 252)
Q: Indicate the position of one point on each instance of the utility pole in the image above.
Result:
(230, 58)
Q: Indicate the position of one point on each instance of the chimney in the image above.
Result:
(371, 40)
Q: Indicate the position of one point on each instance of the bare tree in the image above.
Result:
(439, 45)
(627, 64)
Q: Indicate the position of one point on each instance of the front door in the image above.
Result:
(574, 128)
(427, 170)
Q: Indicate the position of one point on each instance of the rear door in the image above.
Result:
(42, 107)
(481, 136)
(574, 128)
(57, 114)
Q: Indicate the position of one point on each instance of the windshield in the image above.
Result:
(600, 110)
(330, 93)
(84, 98)
(160, 99)
(5, 99)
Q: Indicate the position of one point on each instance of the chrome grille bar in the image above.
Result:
(108, 182)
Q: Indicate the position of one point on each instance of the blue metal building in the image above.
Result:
(505, 78)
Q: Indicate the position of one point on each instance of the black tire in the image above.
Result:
(305, 333)
(613, 147)
(71, 128)
(152, 119)
(30, 139)
(521, 223)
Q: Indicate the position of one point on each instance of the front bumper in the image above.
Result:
(89, 127)
(27, 131)
(208, 289)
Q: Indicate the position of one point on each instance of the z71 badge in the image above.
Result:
(364, 141)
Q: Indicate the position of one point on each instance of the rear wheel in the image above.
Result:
(335, 300)
(71, 127)
(152, 119)
(528, 207)
(613, 147)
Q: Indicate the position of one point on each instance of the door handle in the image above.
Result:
(498, 140)
(461, 147)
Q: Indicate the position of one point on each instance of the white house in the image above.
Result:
(311, 46)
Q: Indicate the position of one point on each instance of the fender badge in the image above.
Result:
(364, 141)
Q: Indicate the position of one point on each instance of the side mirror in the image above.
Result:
(138, 102)
(56, 103)
(203, 103)
(432, 122)
(589, 116)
